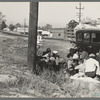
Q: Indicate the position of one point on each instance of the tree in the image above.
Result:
(2, 17)
(3, 25)
(2, 21)
(11, 27)
(72, 24)
(32, 37)
(18, 25)
(48, 27)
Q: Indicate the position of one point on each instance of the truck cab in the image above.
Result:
(89, 39)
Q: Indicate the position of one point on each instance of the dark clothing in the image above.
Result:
(75, 62)
(91, 74)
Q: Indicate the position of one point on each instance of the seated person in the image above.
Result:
(71, 51)
(81, 69)
(92, 67)
(48, 50)
(55, 54)
(76, 60)
(70, 64)
(83, 55)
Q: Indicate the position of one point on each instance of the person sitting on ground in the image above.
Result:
(48, 50)
(92, 68)
(55, 54)
(71, 51)
(52, 64)
(47, 54)
(76, 59)
(83, 55)
(81, 69)
(70, 66)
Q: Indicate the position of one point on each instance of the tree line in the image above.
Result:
(72, 24)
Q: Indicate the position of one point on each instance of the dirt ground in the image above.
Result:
(16, 80)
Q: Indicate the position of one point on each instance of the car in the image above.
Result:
(89, 39)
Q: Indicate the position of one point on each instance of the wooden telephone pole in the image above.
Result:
(32, 37)
(80, 14)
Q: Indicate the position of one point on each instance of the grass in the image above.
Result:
(13, 61)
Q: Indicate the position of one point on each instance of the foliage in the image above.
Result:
(3, 25)
(46, 27)
(18, 25)
(11, 27)
(2, 17)
(2, 21)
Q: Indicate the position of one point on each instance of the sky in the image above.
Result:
(58, 14)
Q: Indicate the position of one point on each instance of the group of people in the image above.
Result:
(79, 62)
(50, 60)
(83, 64)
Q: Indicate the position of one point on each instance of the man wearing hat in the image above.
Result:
(92, 68)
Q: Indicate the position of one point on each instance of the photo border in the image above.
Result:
(96, 98)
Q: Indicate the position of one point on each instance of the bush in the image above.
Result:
(11, 27)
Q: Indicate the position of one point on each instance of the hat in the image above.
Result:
(55, 51)
(46, 55)
(75, 47)
(97, 54)
(75, 56)
(52, 58)
(92, 55)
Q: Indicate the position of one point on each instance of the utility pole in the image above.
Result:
(80, 14)
(32, 36)
(99, 21)
(24, 25)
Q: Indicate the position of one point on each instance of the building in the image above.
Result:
(69, 34)
(23, 30)
(57, 33)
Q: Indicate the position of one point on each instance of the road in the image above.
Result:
(11, 35)
(59, 45)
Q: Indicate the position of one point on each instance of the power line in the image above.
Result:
(79, 14)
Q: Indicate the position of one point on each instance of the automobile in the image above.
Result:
(89, 39)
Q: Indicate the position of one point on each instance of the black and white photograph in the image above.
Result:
(49, 49)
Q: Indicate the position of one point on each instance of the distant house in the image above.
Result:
(57, 33)
(22, 30)
(45, 33)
